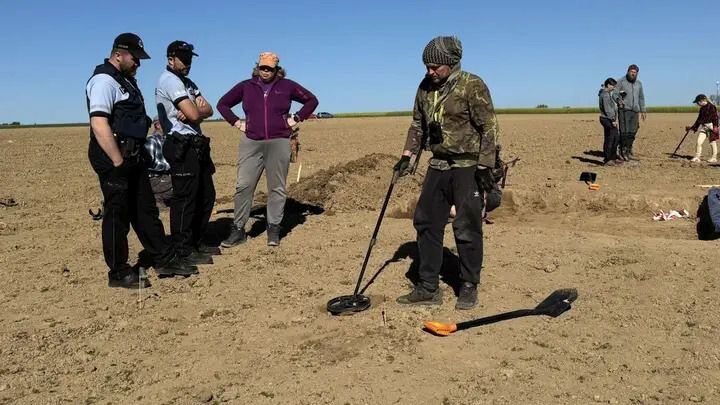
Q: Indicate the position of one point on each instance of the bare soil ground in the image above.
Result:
(252, 328)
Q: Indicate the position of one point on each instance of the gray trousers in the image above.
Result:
(273, 156)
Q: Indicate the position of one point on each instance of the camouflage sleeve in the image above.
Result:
(414, 136)
(482, 116)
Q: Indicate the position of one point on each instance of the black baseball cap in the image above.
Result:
(700, 97)
(178, 48)
(131, 43)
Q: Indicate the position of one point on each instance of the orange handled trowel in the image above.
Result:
(554, 305)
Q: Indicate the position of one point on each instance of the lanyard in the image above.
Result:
(438, 113)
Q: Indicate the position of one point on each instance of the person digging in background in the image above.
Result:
(454, 112)
(706, 126)
(265, 140)
(609, 122)
(159, 168)
(632, 105)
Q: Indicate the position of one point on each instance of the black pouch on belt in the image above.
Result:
(182, 144)
(130, 149)
(201, 144)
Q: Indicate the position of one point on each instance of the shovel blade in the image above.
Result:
(440, 329)
(557, 303)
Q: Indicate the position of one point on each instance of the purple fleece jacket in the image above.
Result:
(266, 117)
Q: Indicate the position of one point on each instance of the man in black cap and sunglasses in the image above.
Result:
(118, 127)
(181, 109)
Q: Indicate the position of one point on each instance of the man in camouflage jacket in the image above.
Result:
(454, 115)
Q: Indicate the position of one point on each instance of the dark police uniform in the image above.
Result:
(187, 151)
(126, 189)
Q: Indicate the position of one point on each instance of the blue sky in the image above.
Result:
(363, 56)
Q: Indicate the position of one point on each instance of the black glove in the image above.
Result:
(484, 179)
(402, 164)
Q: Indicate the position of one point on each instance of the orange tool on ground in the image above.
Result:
(554, 305)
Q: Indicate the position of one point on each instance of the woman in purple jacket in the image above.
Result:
(265, 140)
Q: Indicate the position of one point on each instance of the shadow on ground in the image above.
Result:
(449, 273)
(296, 213)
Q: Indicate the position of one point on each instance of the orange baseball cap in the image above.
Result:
(268, 59)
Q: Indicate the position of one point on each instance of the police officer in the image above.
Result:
(454, 115)
(181, 108)
(118, 126)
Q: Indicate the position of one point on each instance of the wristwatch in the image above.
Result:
(295, 117)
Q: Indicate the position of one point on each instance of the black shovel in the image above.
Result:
(554, 305)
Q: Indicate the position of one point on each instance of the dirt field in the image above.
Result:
(252, 328)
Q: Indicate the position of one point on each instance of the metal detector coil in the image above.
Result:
(349, 304)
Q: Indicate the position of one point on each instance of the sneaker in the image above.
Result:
(176, 266)
(237, 237)
(695, 159)
(421, 296)
(273, 235)
(128, 277)
(712, 160)
(611, 163)
(210, 250)
(467, 298)
(195, 257)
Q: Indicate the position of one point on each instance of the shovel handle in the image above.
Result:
(496, 318)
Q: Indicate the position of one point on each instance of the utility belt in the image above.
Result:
(129, 147)
(182, 143)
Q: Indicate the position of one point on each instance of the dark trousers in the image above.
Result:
(612, 139)
(629, 123)
(441, 189)
(193, 198)
(129, 200)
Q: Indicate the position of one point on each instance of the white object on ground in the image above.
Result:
(670, 215)
(299, 170)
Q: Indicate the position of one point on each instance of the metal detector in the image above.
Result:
(554, 305)
(348, 304)
(674, 154)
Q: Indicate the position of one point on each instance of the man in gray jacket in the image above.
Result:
(632, 104)
(609, 121)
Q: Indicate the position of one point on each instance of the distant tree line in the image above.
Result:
(6, 124)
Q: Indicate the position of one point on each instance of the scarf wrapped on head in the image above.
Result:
(443, 51)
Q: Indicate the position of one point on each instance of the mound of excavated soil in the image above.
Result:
(359, 185)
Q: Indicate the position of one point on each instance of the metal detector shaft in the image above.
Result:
(373, 239)
(497, 318)
(680, 144)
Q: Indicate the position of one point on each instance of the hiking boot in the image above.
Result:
(237, 237)
(176, 266)
(195, 257)
(467, 298)
(210, 250)
(421, 296)
(128, 277)
(273, 235)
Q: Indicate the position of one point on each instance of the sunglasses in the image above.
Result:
(266, 68)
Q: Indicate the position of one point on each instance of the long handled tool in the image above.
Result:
(554, 305)
(681, 142)
(348, 304)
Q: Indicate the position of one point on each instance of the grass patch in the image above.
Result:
(571, 110)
